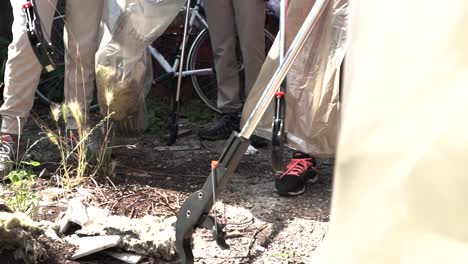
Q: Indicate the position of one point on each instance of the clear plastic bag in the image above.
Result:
(312, 91)
(123, 64)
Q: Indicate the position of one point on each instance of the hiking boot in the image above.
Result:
(301, 169)
(222, 128)
(7, 155)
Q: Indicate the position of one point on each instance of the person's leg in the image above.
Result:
(81, 41)
(301, 169)
(250, 21)
(220, 18)
(22, 71)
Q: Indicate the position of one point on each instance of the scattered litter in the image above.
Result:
(251, 150)
(149, 236)
(126, 257)
(90, 245)
(76, 214)
(177, 148)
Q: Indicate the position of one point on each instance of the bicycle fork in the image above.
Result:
(195, 209)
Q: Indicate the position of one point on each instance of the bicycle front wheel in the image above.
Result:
(200, 57)
(200, 61)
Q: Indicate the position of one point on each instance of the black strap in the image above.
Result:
(42, 48)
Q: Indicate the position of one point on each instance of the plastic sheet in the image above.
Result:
(312, 100)
(123, 65)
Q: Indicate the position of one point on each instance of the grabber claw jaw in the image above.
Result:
(185, 226)
(217, 231)
(184, 250)
(194, 211)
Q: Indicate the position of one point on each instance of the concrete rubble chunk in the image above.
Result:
(97, 213)
(18, 235)
(149, 236)
(90, 245)
(126, 257)
(76, 213)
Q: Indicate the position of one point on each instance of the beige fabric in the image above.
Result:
(312, 93)
(23, 70)
(400, 192)
(223, 16)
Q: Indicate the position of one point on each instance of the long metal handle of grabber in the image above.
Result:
(182, 55)
(174, 126)
(280, 73)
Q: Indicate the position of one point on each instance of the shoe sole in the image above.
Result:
(311, 180)
(301, 191)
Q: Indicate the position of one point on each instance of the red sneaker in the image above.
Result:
(302, 168)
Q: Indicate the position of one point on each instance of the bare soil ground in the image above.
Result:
(262, 227)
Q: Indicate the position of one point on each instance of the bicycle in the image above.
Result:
(199, 64)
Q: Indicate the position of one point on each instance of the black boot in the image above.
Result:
(221, 128)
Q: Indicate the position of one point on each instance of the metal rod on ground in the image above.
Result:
(280, 73)
(174, 130)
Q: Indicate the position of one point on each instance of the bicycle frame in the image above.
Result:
(171, 70)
